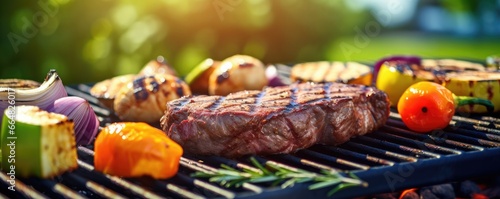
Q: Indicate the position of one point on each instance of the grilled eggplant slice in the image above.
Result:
(43, 143)
(321, 72)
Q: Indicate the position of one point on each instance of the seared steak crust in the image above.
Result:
(274, 120)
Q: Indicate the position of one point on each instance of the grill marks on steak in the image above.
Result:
(274, 120)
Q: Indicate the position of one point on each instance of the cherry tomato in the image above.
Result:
(426, 106)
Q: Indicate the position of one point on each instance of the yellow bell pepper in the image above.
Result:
(394, 79)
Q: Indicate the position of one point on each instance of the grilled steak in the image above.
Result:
(274, 120)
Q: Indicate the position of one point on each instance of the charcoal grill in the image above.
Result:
(390, 159)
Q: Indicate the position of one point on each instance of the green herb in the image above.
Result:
(280, 174)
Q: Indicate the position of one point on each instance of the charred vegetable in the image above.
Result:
(84, 117)
(18, 83)
(106, 90)
(460, 77)
(198, 78)
(426, 106)
(394, 59)
(145, 98)
(44, 142)
(349, 72)
(237, 73)
(43, 96)
(136, 149)
(157, 66)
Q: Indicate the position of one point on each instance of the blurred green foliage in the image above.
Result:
(88, 41)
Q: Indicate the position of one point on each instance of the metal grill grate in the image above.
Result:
(390, 159)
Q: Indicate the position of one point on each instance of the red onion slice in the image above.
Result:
(82, 114)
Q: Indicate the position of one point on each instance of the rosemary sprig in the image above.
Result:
(279, 174)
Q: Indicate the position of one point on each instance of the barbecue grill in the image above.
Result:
(390, 159)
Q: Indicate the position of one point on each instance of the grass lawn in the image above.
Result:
(414, 44)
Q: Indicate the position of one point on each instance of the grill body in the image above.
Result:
(389, 159)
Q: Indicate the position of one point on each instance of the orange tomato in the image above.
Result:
(426, 106)
(131, 149)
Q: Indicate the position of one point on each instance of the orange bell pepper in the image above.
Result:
(131, 149)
